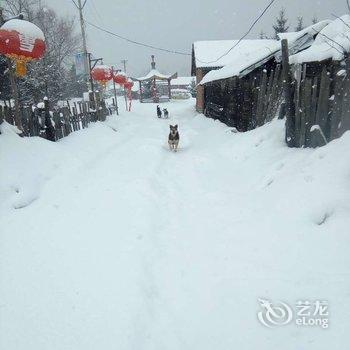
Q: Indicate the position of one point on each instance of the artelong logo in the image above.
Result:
(307, 314)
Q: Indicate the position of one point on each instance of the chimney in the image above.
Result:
(153, 63)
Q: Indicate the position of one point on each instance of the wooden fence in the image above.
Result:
(321, 104)
(56, 122)
(317, 99)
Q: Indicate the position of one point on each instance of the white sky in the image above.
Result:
(176, 24)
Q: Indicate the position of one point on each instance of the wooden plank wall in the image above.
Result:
(322, 106)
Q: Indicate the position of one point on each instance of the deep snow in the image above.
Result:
(117, 243)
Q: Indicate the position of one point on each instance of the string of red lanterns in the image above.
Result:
(103, 74)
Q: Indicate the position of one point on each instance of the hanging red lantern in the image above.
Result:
(128, 85)
(102, 74)
(120, 78)
(21, 41)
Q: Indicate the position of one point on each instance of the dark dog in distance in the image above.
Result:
(174, 138)
(166, 113)
(159, 112)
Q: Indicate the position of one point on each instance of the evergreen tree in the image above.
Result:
(281, 23)
(314, 20)
(263, 35)
(300, 24)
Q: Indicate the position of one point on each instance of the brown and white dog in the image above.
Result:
(174, 138)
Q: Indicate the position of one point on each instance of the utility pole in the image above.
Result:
(80, 8)
(125, 97)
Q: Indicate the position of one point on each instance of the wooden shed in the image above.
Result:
(247, 91)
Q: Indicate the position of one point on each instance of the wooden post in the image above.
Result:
(49, 129)
(115, 95)
(288, 96)
(169, 89)
(141, 99)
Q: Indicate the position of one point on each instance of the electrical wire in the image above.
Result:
(185, 53)
(138, 42)
(243, 37)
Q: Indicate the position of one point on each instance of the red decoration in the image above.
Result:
(128, 85)
(21, 41)
(102, 74)
(120, 79)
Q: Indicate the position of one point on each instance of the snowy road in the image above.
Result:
(118, 243)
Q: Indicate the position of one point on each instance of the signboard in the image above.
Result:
(81, 64)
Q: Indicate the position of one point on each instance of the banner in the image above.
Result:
(81, 64)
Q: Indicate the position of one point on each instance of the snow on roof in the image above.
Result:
(311, 30)
(154, 73)
(243, 58)
(182, 81)
(24, 27)
(206, 53)
(330, 43)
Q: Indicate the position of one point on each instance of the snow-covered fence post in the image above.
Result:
(49, 129)
(288, 96)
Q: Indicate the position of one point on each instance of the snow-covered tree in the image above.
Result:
(281, 23)
(314, 20)
(300, 24)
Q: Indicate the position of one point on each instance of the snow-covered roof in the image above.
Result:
(253, 53)
(244, 58)
(206, 53)
(154, 73)
(330, 43)
(311, 30)
(182, 81)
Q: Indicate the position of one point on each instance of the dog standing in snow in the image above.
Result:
(166, 113)
(174, 138)
(159, 112)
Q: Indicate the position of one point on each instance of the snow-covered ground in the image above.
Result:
(110, 241)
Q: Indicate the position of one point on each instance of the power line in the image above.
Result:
(244, 36)
(138, 42)
(185, 53)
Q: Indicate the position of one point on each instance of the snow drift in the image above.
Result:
(130, 246)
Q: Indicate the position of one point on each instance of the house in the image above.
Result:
(239, 82)
(321, 86)
(183, 83)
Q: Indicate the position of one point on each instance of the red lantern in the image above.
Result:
(21, 41)
(128, 85)
(120, 79)
(102, 74)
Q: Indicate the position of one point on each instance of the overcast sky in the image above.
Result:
(176, 24)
